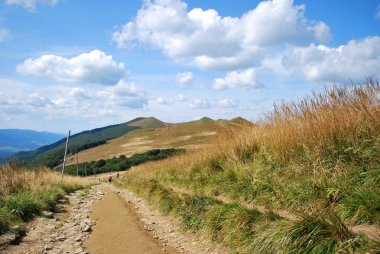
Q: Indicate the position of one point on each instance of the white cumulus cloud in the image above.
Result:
(228, 103)
(84, 106)
(246, 79)
(162, 101)
(30, 5)
(355, 60)
(216, 42)
(93, 67)
(124, 94)
(200, 104)
(184, 78)
(322, 31)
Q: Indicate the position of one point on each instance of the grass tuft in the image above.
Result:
(25, 205)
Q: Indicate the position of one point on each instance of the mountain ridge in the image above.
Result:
(52, 155)
(188, 135)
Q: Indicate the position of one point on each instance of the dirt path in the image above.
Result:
(115, 222)
(118, 229)
(65, 232)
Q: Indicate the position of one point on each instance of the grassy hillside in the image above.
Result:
(305, 180)
(183, 135)
(25, 193)
(52, 155)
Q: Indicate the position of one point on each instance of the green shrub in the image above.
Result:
(192, 211)
(322, 234)
(50, 197)
(231, 223)
(6, 219)
(25, 205)
(362, 205)
(69, 188)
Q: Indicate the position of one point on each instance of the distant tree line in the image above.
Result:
(120, 163)
(77, 148)
(55, 157)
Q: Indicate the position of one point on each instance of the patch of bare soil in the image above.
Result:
(206, 133)
(181, 138)
(136, 143)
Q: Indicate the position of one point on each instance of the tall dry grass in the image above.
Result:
(351, 113)
(348, 112)
(14, 178)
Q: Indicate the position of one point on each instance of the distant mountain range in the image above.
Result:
(155, 134)
(52, 155)
(15, 140)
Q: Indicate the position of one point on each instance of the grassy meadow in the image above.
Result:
(301, 181)
(24, 193)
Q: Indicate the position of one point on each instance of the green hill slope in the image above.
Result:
(52, 155)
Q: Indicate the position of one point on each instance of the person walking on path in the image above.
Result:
(117, 175)
(109, 178)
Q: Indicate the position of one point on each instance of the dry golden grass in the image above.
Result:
(347, 112)
(350, 112)
(15, 178)
(337, 113)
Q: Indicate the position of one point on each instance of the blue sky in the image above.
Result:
(68, 64)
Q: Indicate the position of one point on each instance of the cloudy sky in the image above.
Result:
(70, 64)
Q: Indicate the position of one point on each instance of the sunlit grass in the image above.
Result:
(24, 193)
(317, 158)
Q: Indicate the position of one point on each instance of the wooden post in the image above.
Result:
(77, 166)
(64, 157)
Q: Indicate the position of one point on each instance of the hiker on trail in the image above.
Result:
(117, 175)
(109, 178)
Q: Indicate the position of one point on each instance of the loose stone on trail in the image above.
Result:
(47, 214)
